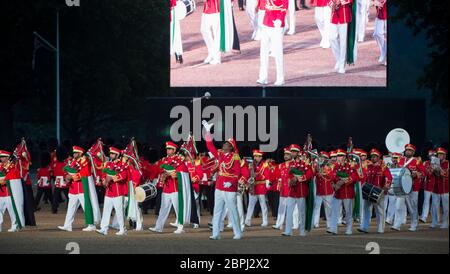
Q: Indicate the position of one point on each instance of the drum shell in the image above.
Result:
(401, 182)
(372, 193)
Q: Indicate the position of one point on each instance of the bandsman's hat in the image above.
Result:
(375, 151)
(114, 150)
(77, 149)
(295, 147)
(171, 145)
(257, 152)
(410, 147)
(441, 150)
(341, 152)
(287, 150)
(4, 153)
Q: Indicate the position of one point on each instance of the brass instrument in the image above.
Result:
(251, 179)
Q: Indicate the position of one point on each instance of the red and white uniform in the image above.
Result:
(380, 31)
(59, 174)
(343, 197)
(340, 18)
(429, 180)
(43, 178)
(322, 16)
(5, 201)
(272, 39)
(324, 194)
(262, 176)
(378, 174)
(114, 195)
(210, 29)
(283, 177)
(440, 195)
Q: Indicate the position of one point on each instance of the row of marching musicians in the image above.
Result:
(345, 183)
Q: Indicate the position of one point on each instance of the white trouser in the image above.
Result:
(6, 204)
(291, 20)
(362, 16)
(176, 44)
(300, 204)
(318, 201)
(109, 204)
(210, 29)
(252, 15)
(436, 200)
(252, 199)
(240, 208)
(426, 205)
(390, 210)
(17, 193)
(261, 14)
(322, 16)
(271, 42)
(167, 201)
(75, 200)
(380, 36)
(94, 201)
(222, 200)
(400, 211)
(412, 201)
(379, 211)
(282, 206)
(336, 205)
(338, 41)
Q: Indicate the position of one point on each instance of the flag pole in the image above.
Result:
(58, 120)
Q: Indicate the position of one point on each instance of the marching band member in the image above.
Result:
(324, 190)
(296, 152)
(362, 13)
(378, 175)
(341, 16)
(79, 193)
(252, 12)
(381, 29)
(226, 184)
(169, 196)
(416, 168)
(44, 186)
(429, 181)
(345, 178)
(391, 198)
(322, 16)
(273, 195)
(283, 177)
(176, 44)
(298, 191)
(258, 190)
(210, 29)
(440, 191)
(7, 200)
(272, 40)
(115, 185)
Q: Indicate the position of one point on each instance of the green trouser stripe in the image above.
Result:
(88, 212)
(309, 207)
(351, 37)
(222, 26)
(16, 213)
(180, 199)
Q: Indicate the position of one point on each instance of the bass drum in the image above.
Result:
(184, 8)
(402, 182)
(145, 192)
(372, 193)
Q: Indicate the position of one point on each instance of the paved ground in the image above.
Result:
(45, 238)
(306, 64)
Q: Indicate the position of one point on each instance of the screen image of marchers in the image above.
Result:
(213, 47)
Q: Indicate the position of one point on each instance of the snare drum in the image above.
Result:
(372, 193)
(402, 182)
(145, 192)
(184, 8)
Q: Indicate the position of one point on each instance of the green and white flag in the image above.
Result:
(226, 26)
(184, 198)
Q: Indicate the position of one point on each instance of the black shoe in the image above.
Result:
(180, 59)
(305, 7)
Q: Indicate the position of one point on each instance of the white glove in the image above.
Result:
(277, 23)
(227, 185)
(268, 184)
(207, 126)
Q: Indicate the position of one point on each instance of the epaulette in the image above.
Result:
(236, 157)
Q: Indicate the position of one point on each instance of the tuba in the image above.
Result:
(396, 140)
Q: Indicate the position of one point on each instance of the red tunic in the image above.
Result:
(261, 175)
(59, 174)
(211, 6)
(301, 189)
(324, 181)
(322, 3)
(196, 174)
(170, 184)
(283, 178)
(429, 178)
(261, 4)
(275, 10)
(382, 12)
(343, 14)
(3, 188)
(116, 188)
(83, 170)
(43, 178)
(229, 167)
(379, 175)
(415, 165)
(441, 186)
(346, 191)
